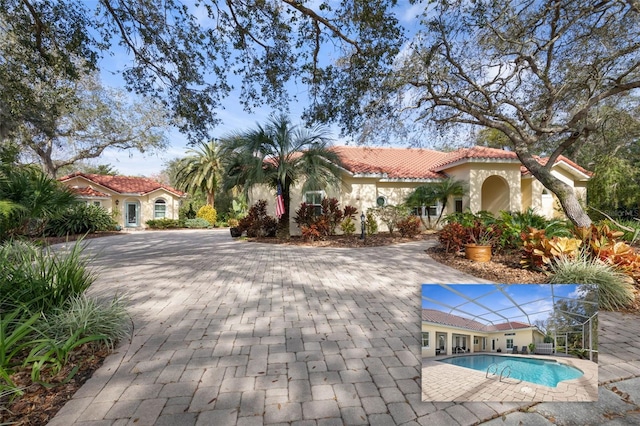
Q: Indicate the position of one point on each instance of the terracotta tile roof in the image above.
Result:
(414, 163)
(562, 158)
(509, 326)
(396, 163)
(475, 152)
(125, 184)
(439, 317)
(444, 318)
(88, 192)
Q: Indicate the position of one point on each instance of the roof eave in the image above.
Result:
(476, 160)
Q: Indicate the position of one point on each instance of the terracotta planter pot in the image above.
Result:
(477, 253)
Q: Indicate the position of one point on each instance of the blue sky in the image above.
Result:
(535, 299)
(232, 115)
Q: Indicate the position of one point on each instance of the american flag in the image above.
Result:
(279, 203)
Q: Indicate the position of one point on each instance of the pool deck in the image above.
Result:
(446, 382)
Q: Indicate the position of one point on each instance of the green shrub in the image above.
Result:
(187, 211)
(615, 289)
(40, 280)
(371, 224)
(164, 223)
(348, 226)
(391, 215)
(207, 213)
(196, 223)
(409, 227)
(513, 224)
(80, 219)
(83, 316)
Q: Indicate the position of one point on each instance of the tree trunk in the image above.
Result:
(283, 224)
(566, 194)
(211, 198)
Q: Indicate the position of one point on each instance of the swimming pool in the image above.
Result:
(538, 371)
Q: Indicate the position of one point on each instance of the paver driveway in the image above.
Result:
(230, 332)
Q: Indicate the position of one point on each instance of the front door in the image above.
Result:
(131, 215)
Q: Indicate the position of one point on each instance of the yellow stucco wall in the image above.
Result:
(520, 338)
(492, 186)
(117, 202)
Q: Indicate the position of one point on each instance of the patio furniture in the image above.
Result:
(524, 350)
(515, 350)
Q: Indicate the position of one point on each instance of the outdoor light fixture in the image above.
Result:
(362, 226)
(117, 203)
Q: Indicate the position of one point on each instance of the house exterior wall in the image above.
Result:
(493, 178)
(521, 337)
(492, 186)
(117, 202)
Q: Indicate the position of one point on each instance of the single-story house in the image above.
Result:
(446, 334)
(132, 200)
(376, 176)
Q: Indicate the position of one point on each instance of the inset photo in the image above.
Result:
(509, 342)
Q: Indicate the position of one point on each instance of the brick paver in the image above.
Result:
(231, 332)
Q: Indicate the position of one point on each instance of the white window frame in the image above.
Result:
(159, 202)
(317, 206)
(425, 338)
(509, 343)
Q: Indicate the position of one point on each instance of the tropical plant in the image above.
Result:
(281, 154)
(453, 237)
(35, 199)
(80, 219)
(258, 223)
(539, 251)
(424, 195)
(207, 213)
(615, 289)
(41, 280)
(83, 316)
(409, 226)
(200, 171)
(515, 223)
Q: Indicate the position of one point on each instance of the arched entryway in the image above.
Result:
(495, 194)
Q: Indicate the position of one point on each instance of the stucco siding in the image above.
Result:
(494, 339)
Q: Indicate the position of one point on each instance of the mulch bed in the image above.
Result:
(40, 402)
(377, 240)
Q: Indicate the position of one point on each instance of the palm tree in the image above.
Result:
(429, 194)
(280, 153)
(446, 189)
(424, 195)
(200, 171)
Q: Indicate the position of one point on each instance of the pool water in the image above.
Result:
(538, 371)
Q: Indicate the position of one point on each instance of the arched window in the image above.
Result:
(160, 209)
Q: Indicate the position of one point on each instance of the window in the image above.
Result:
(160, 209)
(458, 205)
(425, 339)
(431, 211)
(381, 201)
(509, 343)
(314, 198)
